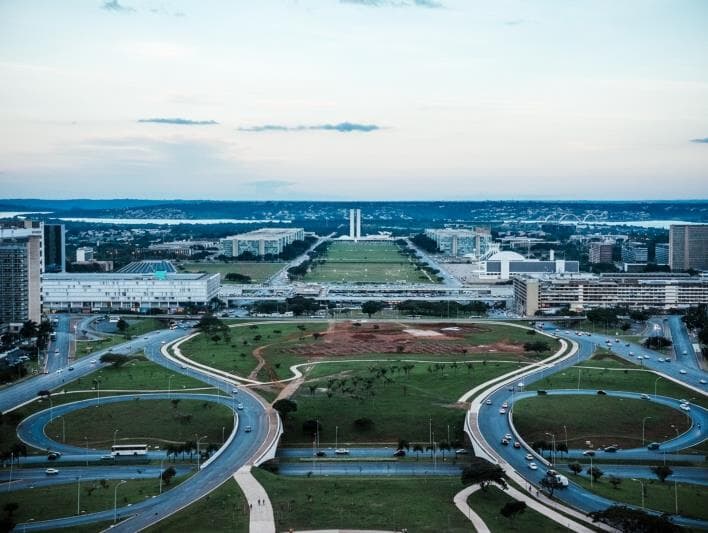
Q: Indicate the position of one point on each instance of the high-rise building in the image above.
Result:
(661, 253)
(21, 268)
(601, 252)
(688, 247)
(635, 252)
(355, 223)
(54, 248)
(84, 254)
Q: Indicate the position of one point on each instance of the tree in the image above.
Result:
(662, 472)
(285, 407)
(537, 347)
(595, 472)
(371, 307)
(310, 427)
(115, 359)
(656, 343)
(576, 468)
(29, 329)
(512, 509)
(483, 473)
(364, 424)
(615, 481)
(561, 448)
(122, 326)
(417, 449)
(168, 474)
(631, 520)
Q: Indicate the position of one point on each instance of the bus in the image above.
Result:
(128, 449)
(53, 336)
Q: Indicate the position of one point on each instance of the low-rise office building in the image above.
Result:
(459, 242)
(169, 292)
(265, 241)
(586, 291)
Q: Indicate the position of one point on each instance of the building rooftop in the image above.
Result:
(147, 267)
(265, 233)
(127, 276)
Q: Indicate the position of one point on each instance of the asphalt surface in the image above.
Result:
(682, 344)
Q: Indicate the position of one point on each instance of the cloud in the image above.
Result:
(700, 141)
(433, 4)
(116, 6)
(179, 121)
(344, 127)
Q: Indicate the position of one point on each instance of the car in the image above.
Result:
(51, 471)
(533, 466)
(59, 371)
(461, 451)
(505, 405)
(56, 352)
(589, 453)
(234, 391)
(502, 411)
(248, 429)
(529, 457)
(682, 371)
(667, 360)
(488, 402)
(517, 444)
(399, 453)
(601, 392)
(612, 448)
(685, 352)
(617, 340)
(107, 458)
(163, 342)
(71, 368)
(508, 436)
(93, 361)
(644, 396)
(683, 400)
(53, 456)
(685, 407)
(240, 407)
(653, 446)
(320, 453)
(702, 381)
(504, 442)
(631, 354)
(626, 344)
(183, 367)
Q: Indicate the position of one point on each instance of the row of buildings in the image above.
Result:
(265, 241)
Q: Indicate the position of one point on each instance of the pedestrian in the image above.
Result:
(250, 506)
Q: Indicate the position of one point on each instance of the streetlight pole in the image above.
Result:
(198, 454)
(114, 436)
(644, 420)
(642, 484)
(86, 440)
(169, 386)
(675, 497)
(566, 437)
(591, 476)
(656, 381)
(161, 471)
(51, 409)
(553, 457)
(115, 500)
(78, 496)
(12, 461)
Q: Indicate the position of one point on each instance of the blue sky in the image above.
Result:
(355, 99)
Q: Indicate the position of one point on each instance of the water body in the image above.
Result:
(654, 224)
(13, 214)
(172, 221)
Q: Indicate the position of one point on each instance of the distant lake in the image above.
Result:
(173, 221)
(13, 214)
(654, 224)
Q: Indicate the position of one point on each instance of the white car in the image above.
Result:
(529, 457)
(502, 411)
(59, 371)
(93, 361)
(533, 466)
(682, 371)
(702, 382)
(489, 402)
(505, 405)
(51, 471)
(508, 436)
(240, 407)
(685, 407)
(631, 354)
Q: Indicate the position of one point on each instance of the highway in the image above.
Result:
(494, 425)
(682, 345)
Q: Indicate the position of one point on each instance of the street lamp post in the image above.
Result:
(553, 457)
(12, 461)
(642, 484)
(565, 429)
(115, 500)
(114, 436)
(78, 496)
(161, 471)
(675, 497)
(86, 440)
(198, 454)
(169, 386)
(51, 409)
(644, 420)
(656, 381)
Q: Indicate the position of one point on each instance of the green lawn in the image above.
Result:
(155, 422)
(366, 262)
(400, 404)
(657, 496)
(488, 504)
(258, 272)
(44, 503)
(236, 355)
(224, 509)
(621, 420)
(633, 380)
(421, 505)
(137, 374)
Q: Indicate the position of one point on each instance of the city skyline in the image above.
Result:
(369, 99)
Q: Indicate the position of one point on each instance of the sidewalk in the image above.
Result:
(460, 500)
(261, 514)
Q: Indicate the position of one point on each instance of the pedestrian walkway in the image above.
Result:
(460, 500)
(261, 511)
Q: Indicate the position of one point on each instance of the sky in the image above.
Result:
(354, 99)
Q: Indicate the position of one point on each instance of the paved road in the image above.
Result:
(682, 344)
(448, 279)
(494, 425)
(369, 468)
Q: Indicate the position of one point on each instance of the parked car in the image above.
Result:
(399, 453)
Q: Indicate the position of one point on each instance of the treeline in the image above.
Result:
(437, 308)
(315, 256)
(425, 243)
(298, 305)
(696, 319)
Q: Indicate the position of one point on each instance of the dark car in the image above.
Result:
(399, 453)
(601, 392)
(53, 456)
(653, 446)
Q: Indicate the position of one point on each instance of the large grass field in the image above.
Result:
(609, 375)
(258, 272)
(657, 496)
(137, 374)
(399, 402)
(44, 503)
(487, 505)
(224, 509)
(237, 354)
(603, 420)
(366, 262)
(154, 422)
(421, 505)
